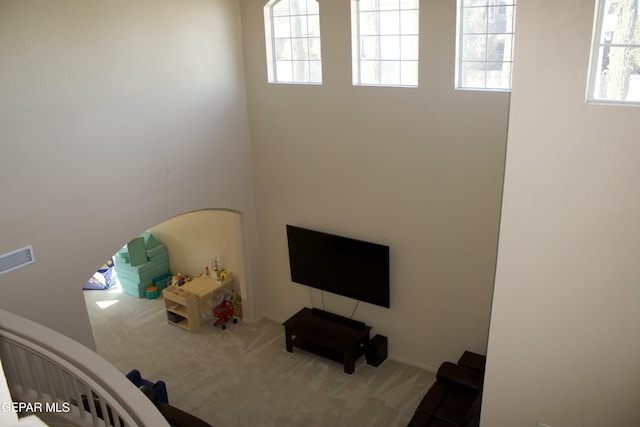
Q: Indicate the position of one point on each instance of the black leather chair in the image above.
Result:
(455, 398)
(174, 416)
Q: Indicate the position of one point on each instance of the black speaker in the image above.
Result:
(376, 350)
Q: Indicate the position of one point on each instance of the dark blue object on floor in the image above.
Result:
(159, 386)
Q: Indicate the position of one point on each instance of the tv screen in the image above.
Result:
(341, 265)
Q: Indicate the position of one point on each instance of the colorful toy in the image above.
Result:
(178, 280)
(223, 275)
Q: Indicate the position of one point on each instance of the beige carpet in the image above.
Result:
(243, 376)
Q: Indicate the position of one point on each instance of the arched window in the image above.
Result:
(293, 41)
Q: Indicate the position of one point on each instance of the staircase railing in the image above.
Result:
(48, 372)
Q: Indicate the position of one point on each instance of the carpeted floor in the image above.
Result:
(243, 376)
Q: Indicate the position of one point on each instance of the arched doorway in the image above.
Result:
(191, 239)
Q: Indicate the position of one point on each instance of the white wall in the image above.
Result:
(194, 238)
(114, 116)
(417, 169)
(563, 346)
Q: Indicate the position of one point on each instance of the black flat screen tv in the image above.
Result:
(341, 265)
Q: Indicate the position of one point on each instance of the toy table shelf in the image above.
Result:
(185, 304)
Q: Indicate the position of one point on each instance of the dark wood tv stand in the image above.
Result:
(326, 334)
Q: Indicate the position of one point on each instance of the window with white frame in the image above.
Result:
(614, 75)
(484, 46)
(385, 42)
(293, 41)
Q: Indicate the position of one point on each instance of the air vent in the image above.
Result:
(16, 259)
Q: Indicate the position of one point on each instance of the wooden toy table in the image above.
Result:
(185, 304)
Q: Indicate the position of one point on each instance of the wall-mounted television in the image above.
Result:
(341, 265)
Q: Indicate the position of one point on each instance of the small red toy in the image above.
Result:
(223, 313)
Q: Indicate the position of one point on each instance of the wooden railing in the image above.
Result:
(47, 372)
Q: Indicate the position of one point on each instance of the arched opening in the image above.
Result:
(192, 239)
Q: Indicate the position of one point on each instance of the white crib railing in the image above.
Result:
(49, 372)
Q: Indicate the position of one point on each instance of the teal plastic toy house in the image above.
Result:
(138, 264)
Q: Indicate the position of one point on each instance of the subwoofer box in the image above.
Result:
(375, 350)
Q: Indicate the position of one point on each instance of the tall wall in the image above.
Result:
(114, 116)
(564, 347)
(418, 169)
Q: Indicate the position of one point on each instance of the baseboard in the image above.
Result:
(273, 318)
(409, 362)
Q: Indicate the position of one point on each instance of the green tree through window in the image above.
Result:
(293, 41)
(484, 49)
(615, 67)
